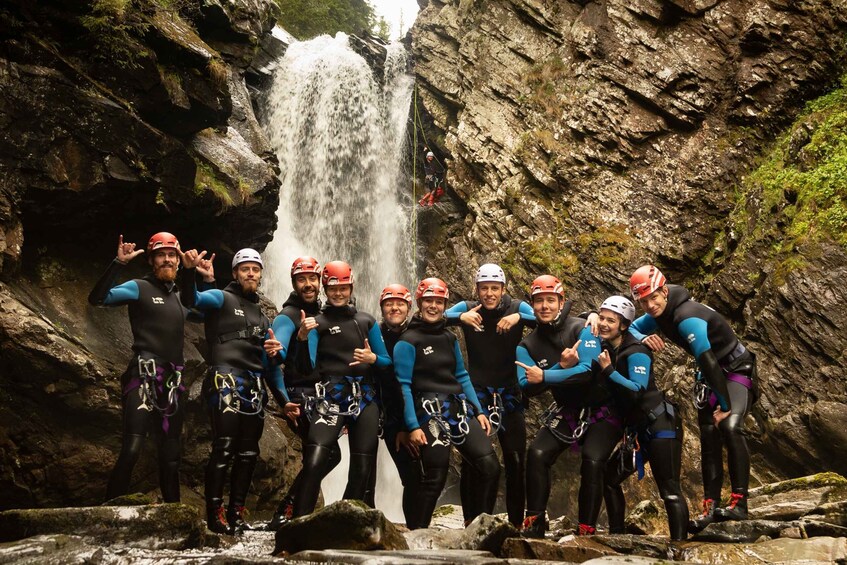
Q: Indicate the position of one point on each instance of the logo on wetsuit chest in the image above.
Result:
(591, 343)
(690, 338)
(639, 370)
(239, 312)
(428, 350)
(158, 300)
(335, 330)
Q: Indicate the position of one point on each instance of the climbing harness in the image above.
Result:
(437, 409)
(343, 396)
(156, 381)
(240, 392)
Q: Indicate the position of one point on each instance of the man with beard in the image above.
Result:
(236, 331)
(152, 384)
(299, 310)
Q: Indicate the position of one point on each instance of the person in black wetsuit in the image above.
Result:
(654, 425)
(152, 384)
(302, 305)
(343, 345)
(440, 409)
(236, 330)
(560, 353)
(395, 302)
(493, 327)
(725, 387)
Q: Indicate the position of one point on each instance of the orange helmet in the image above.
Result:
(162, 240)
(395, 290)
(335, 273)
(432, 287)
(645, 281)
(305, 265)
(547, 284)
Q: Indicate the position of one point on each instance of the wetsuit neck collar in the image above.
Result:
(311, 308)
(166, 286)
(346, 311)
(417, 323)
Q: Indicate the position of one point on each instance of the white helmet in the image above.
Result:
(430, 154)
(490, 273)
(247, 255)
(620, 305)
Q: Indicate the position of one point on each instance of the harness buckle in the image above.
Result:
(583, 424)
(495, 411)
(701, 394)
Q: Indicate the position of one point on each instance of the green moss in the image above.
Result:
(804, 483)
(113, 27)
(206, 179)
(544, 80)
(218, 72)
(608, 244)
(549, 255)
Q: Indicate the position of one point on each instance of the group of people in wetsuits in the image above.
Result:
(334, 370)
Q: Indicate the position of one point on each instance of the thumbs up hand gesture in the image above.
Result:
(364, 355)
(271, 345)
(306, 325)
(473, 318)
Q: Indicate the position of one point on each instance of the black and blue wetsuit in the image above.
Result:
(236, 329)
(583, 416)
(348, 399)
(727, 369)
(301, 389)
(656, 425)
(152, 383)
(439, 399)
(491, 365)
(391, 398)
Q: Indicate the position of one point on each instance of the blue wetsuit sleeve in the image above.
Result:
(383, 359)
(209, 299)
(465, 379)
(122, 294)
(273, 377)
(526, 312)
(522, 355)
(638, 373)
(313, 341)
(404, 365)
(696, 332)
(589, 349)
(283, 329)
(643, 326)
(456, 310)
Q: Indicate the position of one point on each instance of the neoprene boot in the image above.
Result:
(235, 519)
(283, 514)
(534, 526)
(586, 530)
(735, 510)
(698, 524)
(216, 517)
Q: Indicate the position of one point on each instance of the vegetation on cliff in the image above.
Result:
(306, 19)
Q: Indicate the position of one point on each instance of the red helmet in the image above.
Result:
(547, 284)
(432, 287)
(645, 281)
(162, 240)
(336, 272)
(395, 290)
(305, 265)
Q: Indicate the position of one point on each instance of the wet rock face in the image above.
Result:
(586, 138)
(115, 129)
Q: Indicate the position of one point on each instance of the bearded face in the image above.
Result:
(165, 263)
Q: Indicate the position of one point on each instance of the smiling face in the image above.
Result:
(432, 308)
(610, 326)
(394, 311)
(339, 294)
(306, 285)
(546, 306)
(248, 275)
(654, 304)
(165, 263)
(490, 294)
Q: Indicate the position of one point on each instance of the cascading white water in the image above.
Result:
(341, 142)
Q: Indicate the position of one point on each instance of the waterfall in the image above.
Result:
(341, 141)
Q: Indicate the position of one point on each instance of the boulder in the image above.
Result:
(462, 556)
(485, 533)
(784, 550)
(744, 531)
(627, 544)
(791, 499)
(344, 524)
(569, 549)
(53, 549)
(647, 518)
(162, 526)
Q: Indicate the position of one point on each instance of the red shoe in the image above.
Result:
(586, 530)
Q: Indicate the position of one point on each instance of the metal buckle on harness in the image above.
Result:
(630, 445)
(583, 424)
(146, 392)
(432, 406)
(225, 385)
(464, 427)
(701, 394)
(495, 411)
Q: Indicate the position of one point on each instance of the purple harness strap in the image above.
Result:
(571, 417)
(743, 380)
(159, 391)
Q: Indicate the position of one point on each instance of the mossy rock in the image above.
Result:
(810, 482)
(134, 499)
(346, 524)
(161, 526)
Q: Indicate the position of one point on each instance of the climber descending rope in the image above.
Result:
(434, 170)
